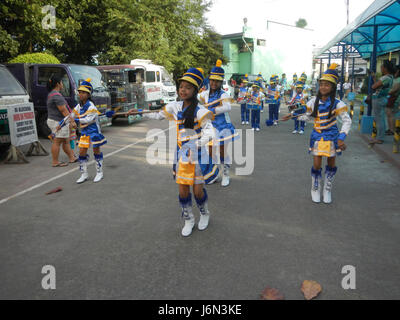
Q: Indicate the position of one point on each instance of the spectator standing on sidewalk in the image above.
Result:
(379, 99)
(57, 110)
(394, 101)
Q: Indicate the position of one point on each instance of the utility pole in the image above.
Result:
(348, 9)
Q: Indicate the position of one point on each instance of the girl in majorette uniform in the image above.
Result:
(218, 102)
(192, 161)
(326, 139)
(295, 103)
(87, 115)
(242, 99)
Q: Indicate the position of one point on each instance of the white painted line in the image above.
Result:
(75, 169)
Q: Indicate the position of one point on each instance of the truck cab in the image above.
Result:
(159, 77)
(34, 78)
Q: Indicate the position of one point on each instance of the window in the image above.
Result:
(261, 42)
(9, 85)
(150, 76)
(45, 73)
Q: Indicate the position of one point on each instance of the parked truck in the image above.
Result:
(34, 78)
(158, 77)
(124, 92)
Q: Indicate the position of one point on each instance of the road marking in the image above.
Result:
(75, 169)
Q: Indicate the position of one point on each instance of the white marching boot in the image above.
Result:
(225, 175)
(83, 169)
(187, 215)
(316, 187)
(329, 177)
(99, 169)
(204, 213)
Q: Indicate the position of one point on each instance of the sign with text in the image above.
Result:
(21, 119)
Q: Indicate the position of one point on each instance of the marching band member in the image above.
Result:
(273, 95)
(297, 99)
(326, 139)
(218, 102)
(255, 103)
(87, 115)
(192, 162)
(243, 94)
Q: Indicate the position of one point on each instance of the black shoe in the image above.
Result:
(389, 132)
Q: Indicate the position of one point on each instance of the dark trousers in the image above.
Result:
(244, 112)
(255, 119)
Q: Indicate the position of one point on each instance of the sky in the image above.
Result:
(326, 17)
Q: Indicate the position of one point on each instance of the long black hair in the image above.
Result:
(53, 81)
(188, 114)
(332, 96)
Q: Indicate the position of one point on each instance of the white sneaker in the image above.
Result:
(252, 129)
(257, 129)
(262, 111)
(243, 122)
(301, 132)
(189, 223)
(247, 122)
(294, 131)
(275, 123)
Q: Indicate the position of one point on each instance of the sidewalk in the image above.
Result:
(385, 150)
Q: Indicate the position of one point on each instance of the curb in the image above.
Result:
(387, 156)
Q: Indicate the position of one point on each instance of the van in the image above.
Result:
(11, 92)
(159, 76)
(34, 78)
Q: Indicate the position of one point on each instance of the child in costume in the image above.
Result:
(242, 99)
(218, 102)
(255, 102)
(87, 116)
(326, 139)
(296, 102)
(194, 132)
(273, 99)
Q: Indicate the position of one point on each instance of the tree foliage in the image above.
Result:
(301, 23)
(173, 33)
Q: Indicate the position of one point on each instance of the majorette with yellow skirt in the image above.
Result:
(219, 103)
(87, 116)
(192, 161)
(326, 139)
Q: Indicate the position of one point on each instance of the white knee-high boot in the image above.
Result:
(83, 160)
(316, 179)
(329, 177)
(202, 204)
(187, 215)
(99, 167)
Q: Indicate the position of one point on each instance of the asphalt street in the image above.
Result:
(120, 238)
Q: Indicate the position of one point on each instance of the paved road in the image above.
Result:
(121, 238)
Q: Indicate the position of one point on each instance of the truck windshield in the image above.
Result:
(9, 86)
(84, 72)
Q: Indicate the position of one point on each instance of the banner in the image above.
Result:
(21, 119)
